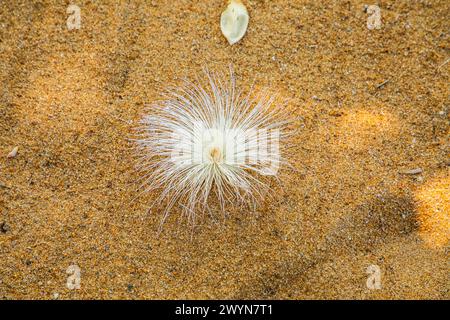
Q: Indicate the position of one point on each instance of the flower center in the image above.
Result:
(215, 155)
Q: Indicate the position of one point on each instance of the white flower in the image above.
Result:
(210, 143)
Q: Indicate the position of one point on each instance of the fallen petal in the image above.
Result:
(234, 21)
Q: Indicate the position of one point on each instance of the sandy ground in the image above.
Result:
(373, 104)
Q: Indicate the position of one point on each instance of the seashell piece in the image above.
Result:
(234, 21)
(13, 153)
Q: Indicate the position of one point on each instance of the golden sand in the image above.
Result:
(373, 104)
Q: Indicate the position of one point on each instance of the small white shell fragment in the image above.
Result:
(413, 171)
(234, 21)
(13, 153)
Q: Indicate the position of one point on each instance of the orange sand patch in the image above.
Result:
(433, 200)
(361, 129)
